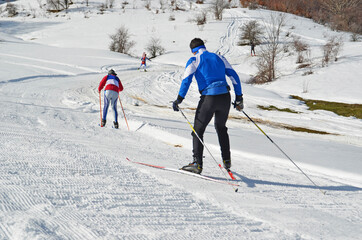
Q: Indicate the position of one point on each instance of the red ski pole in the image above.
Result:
(100, 107)
(123, 112)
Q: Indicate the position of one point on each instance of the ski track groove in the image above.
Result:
(68, 192)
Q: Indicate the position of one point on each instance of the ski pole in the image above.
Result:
(324, 192)
(202, 142)
(100, 107)
(123, 112)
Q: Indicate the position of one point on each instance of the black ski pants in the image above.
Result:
(208, 107)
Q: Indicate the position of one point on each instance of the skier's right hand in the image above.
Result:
(176, 103)
(239, 103)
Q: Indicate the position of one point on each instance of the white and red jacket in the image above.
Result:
(111, 82)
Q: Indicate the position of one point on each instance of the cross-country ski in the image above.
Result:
(208, 178)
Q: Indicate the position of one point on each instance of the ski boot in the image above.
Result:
(193, 167)
(227, 164)
(103, 122)
(115, 124)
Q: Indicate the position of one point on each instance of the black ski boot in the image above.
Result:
(193, 167)
(103, 122)
(227, 164)
(115, 124)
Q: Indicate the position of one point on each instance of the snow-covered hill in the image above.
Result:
(64, 177)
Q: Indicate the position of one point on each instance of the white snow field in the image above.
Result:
(64, 177)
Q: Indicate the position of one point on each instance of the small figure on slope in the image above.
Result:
(209, 70)
(252, 46)
(112, 86)
(144, 58)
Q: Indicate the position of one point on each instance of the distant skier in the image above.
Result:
(143, 61)
(112, 88)
(252, 45)
(209, 70)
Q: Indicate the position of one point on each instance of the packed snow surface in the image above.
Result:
(62, 176)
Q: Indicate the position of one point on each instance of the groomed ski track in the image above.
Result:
(63, 177)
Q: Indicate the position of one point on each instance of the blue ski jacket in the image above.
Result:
(209, 70)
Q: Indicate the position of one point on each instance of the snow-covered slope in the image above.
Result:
(64, 177)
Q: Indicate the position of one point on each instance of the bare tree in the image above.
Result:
(269, 53)
(154, 47)
(58, 5)
(252, 32)
(121, 41)
(200, 18)
(218, 7)
(331, 50)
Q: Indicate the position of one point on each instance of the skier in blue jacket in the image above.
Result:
(209, 70)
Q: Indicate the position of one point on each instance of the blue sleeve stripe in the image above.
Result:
(185, 85)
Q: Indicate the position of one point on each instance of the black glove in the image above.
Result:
(239, 103)
(176, 103)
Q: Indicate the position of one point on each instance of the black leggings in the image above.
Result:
(210, 105)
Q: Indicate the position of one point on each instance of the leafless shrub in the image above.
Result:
(300, 47)
(172, 17)
(58, 5)
(200, 1)
(124, 4)
(107, 4)
(200, 18)
(218, 7)
(11, 9)
(102, 8)
(331, 50)
(306, 85)
(121, 41)
(162, 5)
(252, 32)
(355, 37)
(306, 73)
(148, 4)
(154, 47)
(269, 53)
(110, 3)
(356, 28)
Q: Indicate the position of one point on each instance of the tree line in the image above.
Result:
(345, 15)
